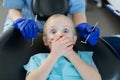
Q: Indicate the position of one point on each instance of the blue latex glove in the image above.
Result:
(84, 29)
(28, 28)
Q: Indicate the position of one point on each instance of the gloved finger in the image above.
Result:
(27, 31)
(85, 36)
(22, 30)
(17, 24)
(31, 31)
(93, 37)
(89, 29)
(92, 40)
(35, 31)
(27, 28)
(23, 34)
(96, 32)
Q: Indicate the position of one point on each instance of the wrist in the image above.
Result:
(70, 54)
(55, 55)
(18, 22)
(17, 18)
(81, 25)
(73, 56)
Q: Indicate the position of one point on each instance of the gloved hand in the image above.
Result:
(84, 29)
(28, 28)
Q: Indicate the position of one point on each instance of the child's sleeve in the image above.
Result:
(33, 64)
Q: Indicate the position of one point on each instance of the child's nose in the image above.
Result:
(59, 34)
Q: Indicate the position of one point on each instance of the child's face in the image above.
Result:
(59, 27)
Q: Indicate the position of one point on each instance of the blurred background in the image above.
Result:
(109, 23)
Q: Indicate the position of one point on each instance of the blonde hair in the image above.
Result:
(55, 16)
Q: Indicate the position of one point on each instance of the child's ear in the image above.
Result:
(75, 38)
(45, 40)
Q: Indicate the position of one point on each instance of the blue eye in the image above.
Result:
(53, 31)
(65, 30)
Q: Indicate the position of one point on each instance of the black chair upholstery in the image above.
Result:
(45, 8)
(114, 41)
(15, 51)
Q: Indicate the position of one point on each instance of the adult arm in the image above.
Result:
(14, 14)
(27, 27)
(79, 18)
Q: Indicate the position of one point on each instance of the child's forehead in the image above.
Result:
(59, 26)
(59, 21)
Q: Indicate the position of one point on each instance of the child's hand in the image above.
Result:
(70, 51)
(61, 45)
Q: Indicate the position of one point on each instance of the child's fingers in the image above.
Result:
(70, 48)
(69, 44)
(56, 38)
(64, 39)
(53, 39)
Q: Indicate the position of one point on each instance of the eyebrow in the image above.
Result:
(51, 27)
(65, 26)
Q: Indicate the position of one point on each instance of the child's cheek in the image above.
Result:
(50, 41)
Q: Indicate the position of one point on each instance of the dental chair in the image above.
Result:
(15, 52)
(49, 7)
(114, 41)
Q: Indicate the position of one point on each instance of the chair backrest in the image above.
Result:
(15, 51)
(114, 41)
(45, 8)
